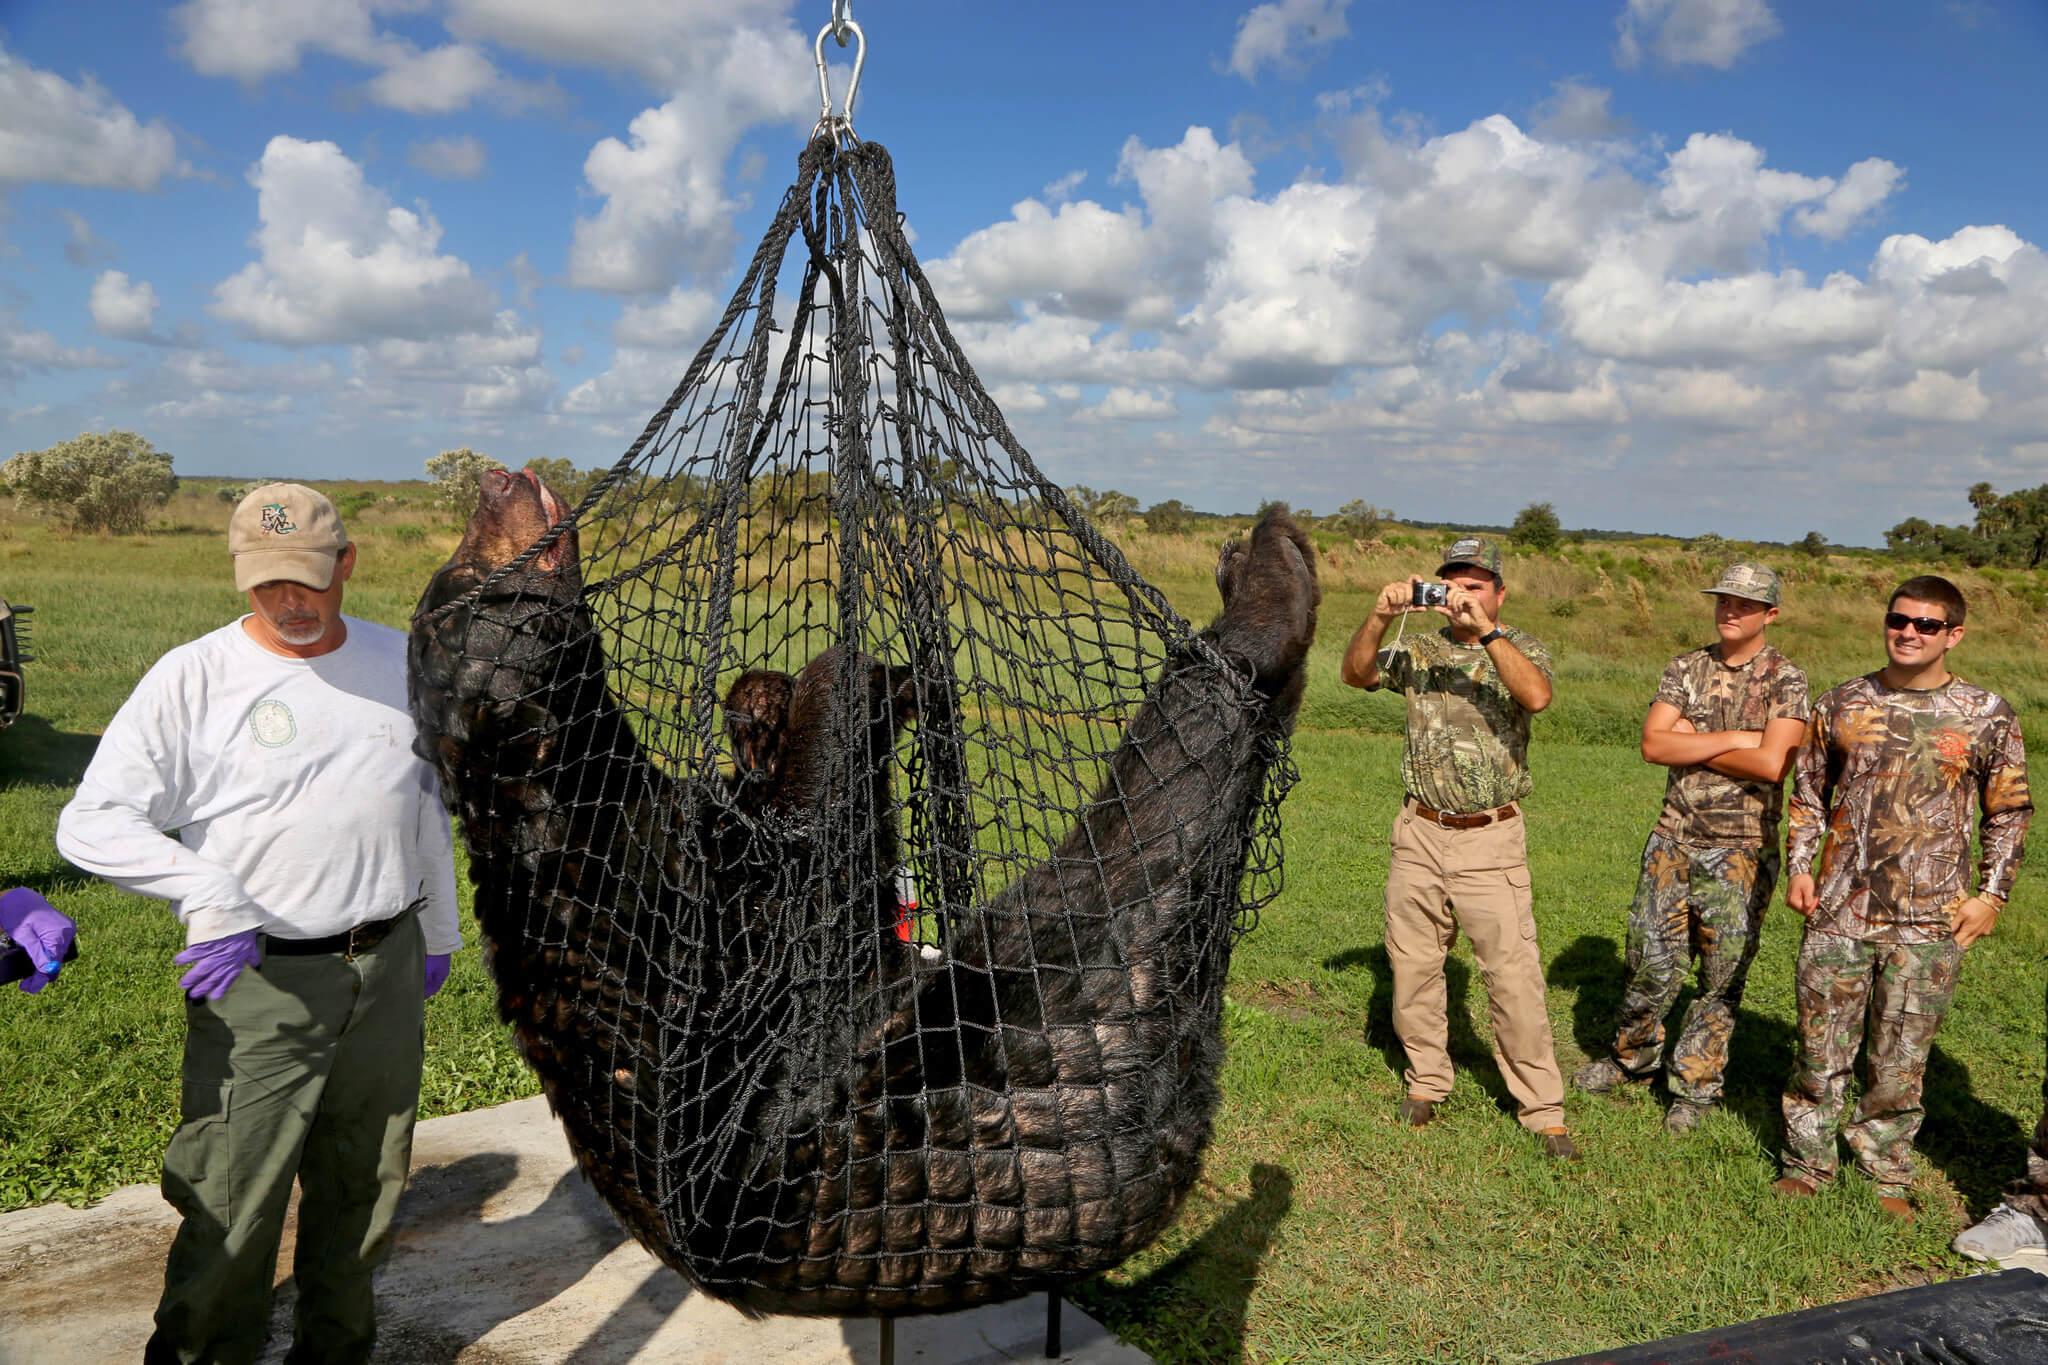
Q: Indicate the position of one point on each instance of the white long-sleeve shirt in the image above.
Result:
(297, 804)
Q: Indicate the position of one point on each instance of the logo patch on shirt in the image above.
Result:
(276, 521)
(272, 725)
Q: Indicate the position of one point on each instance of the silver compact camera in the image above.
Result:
(1430, 595)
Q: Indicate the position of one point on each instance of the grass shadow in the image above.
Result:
(1468, 1051)
(1202, 1295)
(1760, 1053)
(1592, 968)
(1978, 1146)
(35, 753)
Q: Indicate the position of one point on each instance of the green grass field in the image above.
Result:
(1322, 1230)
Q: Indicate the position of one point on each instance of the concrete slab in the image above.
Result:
(504, 1256)
(2036, 1261)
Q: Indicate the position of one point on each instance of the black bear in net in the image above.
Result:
(903, 1135)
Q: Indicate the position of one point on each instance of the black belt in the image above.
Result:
(360, 939)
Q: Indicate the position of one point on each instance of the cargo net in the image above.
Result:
(859, 843)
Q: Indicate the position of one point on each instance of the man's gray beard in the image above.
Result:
(301, 636)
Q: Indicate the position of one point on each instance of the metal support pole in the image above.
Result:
(888, 1341)
(1052, 1325)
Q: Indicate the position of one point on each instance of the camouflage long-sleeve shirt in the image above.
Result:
(1707, 809)
(1888, 776)
(1468, 738)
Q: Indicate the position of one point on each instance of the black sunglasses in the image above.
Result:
(1926, 625)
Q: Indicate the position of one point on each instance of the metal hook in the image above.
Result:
(841, 25)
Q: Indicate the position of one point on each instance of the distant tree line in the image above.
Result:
(2011, 531)
(112, 481)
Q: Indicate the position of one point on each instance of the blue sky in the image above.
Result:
(1683, 265)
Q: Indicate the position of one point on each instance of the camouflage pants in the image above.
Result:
(2030, 1191)
(1707, 902)
(1886, 1000)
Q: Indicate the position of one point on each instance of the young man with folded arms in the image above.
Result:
(1725, 721)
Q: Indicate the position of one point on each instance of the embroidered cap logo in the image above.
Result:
(277, 521)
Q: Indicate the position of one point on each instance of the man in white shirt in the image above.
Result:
(262, 779)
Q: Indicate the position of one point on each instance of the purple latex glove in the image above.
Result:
(44, 931)
(437, 972)
(216, 963)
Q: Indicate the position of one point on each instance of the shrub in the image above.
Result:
(1360, 520)
(1169, 518)
(457, 475)
(1107, 505)
(1536, 527)
(97, 480)
(350, 504)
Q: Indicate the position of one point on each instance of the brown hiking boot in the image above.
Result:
(1794, 1187)
(1416, 1112)
(1901, 1209)
(1558, 1145)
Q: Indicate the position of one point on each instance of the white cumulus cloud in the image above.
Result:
(494, 370)
(1692, 32)
(338, 261)
(251, 40)
(679, 320)
(449, 158)
(666, 212)
(663, 42)
(56, 132)
(1284, 34)
(435, 81)
(1864, 187)
(37, 350)
(1122, 404)
(122, 307)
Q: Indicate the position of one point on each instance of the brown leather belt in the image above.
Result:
(360, 939)
(1444, 820)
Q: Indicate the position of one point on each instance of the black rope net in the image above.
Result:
(858, 842)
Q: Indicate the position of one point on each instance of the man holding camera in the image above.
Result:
(1882, 790)
(1460, 859)
(1725, 721)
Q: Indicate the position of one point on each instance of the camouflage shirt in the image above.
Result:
(1468, 738)
(1888, 776)
(1703, 808)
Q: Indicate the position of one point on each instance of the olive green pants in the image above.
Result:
(307, 1069)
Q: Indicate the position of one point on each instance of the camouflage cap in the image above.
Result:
(1481, 552)
(1747, 579)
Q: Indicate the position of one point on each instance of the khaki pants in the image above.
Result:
(309, 1070)
(1438, 882)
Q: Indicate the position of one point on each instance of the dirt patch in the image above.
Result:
(1295, 1000)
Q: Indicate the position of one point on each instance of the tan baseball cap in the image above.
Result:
(288, 532)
